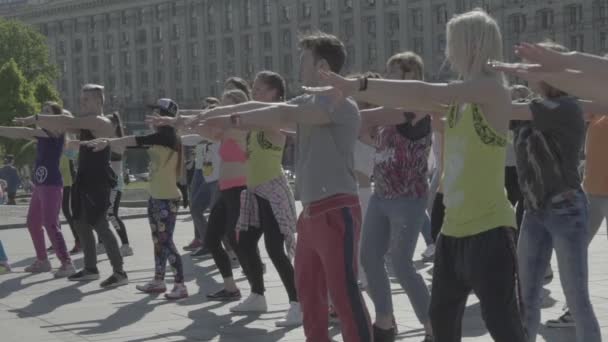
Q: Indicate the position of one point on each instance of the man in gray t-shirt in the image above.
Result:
(324, 154)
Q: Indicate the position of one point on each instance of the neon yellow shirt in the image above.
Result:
(163, 172)
(264, 157)
(474, 176)
(66, 173)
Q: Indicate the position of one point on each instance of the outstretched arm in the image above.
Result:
(21, 132)
(97, 124)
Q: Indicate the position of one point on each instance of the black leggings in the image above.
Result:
(222, 223)
(437, 215)
(514, 193)
(67, 211)
(113, 217)
(274, 241)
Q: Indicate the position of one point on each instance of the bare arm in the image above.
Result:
(21, 132)
(97, 124)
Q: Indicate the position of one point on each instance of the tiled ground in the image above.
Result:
(39, 308)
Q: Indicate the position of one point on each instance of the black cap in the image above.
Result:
(166, 106)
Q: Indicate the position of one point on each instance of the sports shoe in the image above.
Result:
(253, 303)
(333, 316)
(126, 250)
(179, 291)
(200, 253)
(84, 275)
(153, 286)
(564, 321)
(76, 249)
(194, 245)
(65, 270)
(115, 280)
(225, 296)
(50, 250)
(39, 266)
(4, 268)
(293, 318)
(429, 252)
(101, 249)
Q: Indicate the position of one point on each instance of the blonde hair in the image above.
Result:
(473, 39)
(408, 62)
(234, 95)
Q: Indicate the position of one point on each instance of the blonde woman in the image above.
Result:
(476, 249)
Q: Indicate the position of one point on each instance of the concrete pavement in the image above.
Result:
(40, 308)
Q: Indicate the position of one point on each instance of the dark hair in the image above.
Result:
(211, 102)
(238, 83)
(408, 62)
(325, 46)
(274, 81)
(55, 107)
(117, 122)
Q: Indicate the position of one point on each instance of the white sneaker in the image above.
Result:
(39, 266)
(126, 250)
(64, 271)
(153, 286)
(429, 252)
(253, 303)
(100, 248)
(293, 318)
(179, 291)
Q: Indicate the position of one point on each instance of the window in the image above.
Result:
(193, 28)
(109, 42)
(347, 27)
(177, 74)
(60, 27)
(179, 94)
(370, 3)
(517, 23)
(194, 50)
(176, 55)
(247, 13)
(175, 31)
(267, 39)
(393, 23)
(94, 63)
(417, 19)
(577, 43)
(348, 5)
(287, 64)
(142, 36)
(603, 41)
(111, 82)
(573, 14)
(173, 9)
(143, 79)
(393, 46)
(61, 48)
(230, 69)
(441, 14)
(159, 55)
(372, 52)
(92, 24)
(326, 7)
(418, 45)
(195, 74)
(440, 48)
(158, 12)
(140, 17)
(286, 38)
(248, 42)
(306, 10)
(285, 13)
(266, 13)
(229, 46)
(76, 26)
(124, 38)
(107, 20)
(142, 57)
(158, 34)
(160, 75)
(126, 58)
(212, 72)
(544, 19)
(391, 2)
(228, 24)
(268, 62)
(327, 27)
(600, 12)
(211, 19)
(371, 25)
(93, 43)
(123, 18)
(63, 66)
(211, 49)
(110, 62)
(127, 80)
(350, 51)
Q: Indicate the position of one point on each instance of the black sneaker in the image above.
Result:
(225, 296)
(84, 275)
(50, 250)
(115, 280)
(200, 253)
(384, 335)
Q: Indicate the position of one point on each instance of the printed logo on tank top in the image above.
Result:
(41, 174)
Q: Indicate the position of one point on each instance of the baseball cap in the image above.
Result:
(166, 106)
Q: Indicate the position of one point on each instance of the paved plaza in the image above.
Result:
(42, 309)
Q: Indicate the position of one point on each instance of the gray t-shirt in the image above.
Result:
(547, 150)
(325, 153)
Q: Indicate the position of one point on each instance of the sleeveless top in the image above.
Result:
(474, 175)
(94, 169)
(263, 159)
(233, 168)
(48, 153)
(66, 168)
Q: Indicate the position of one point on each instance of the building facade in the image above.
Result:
(184, 49)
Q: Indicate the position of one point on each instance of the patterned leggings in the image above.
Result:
(162, 214)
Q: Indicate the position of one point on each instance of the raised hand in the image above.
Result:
(97, 144)
(547, 59)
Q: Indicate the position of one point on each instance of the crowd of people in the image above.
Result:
(503, 192)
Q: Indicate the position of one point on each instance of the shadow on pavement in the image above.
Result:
(16, 284)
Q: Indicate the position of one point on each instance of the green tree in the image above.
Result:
(28, 48)
(45, 91)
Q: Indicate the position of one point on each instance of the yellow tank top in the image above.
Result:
(163, 173)
(263, 158)
(474, 176)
